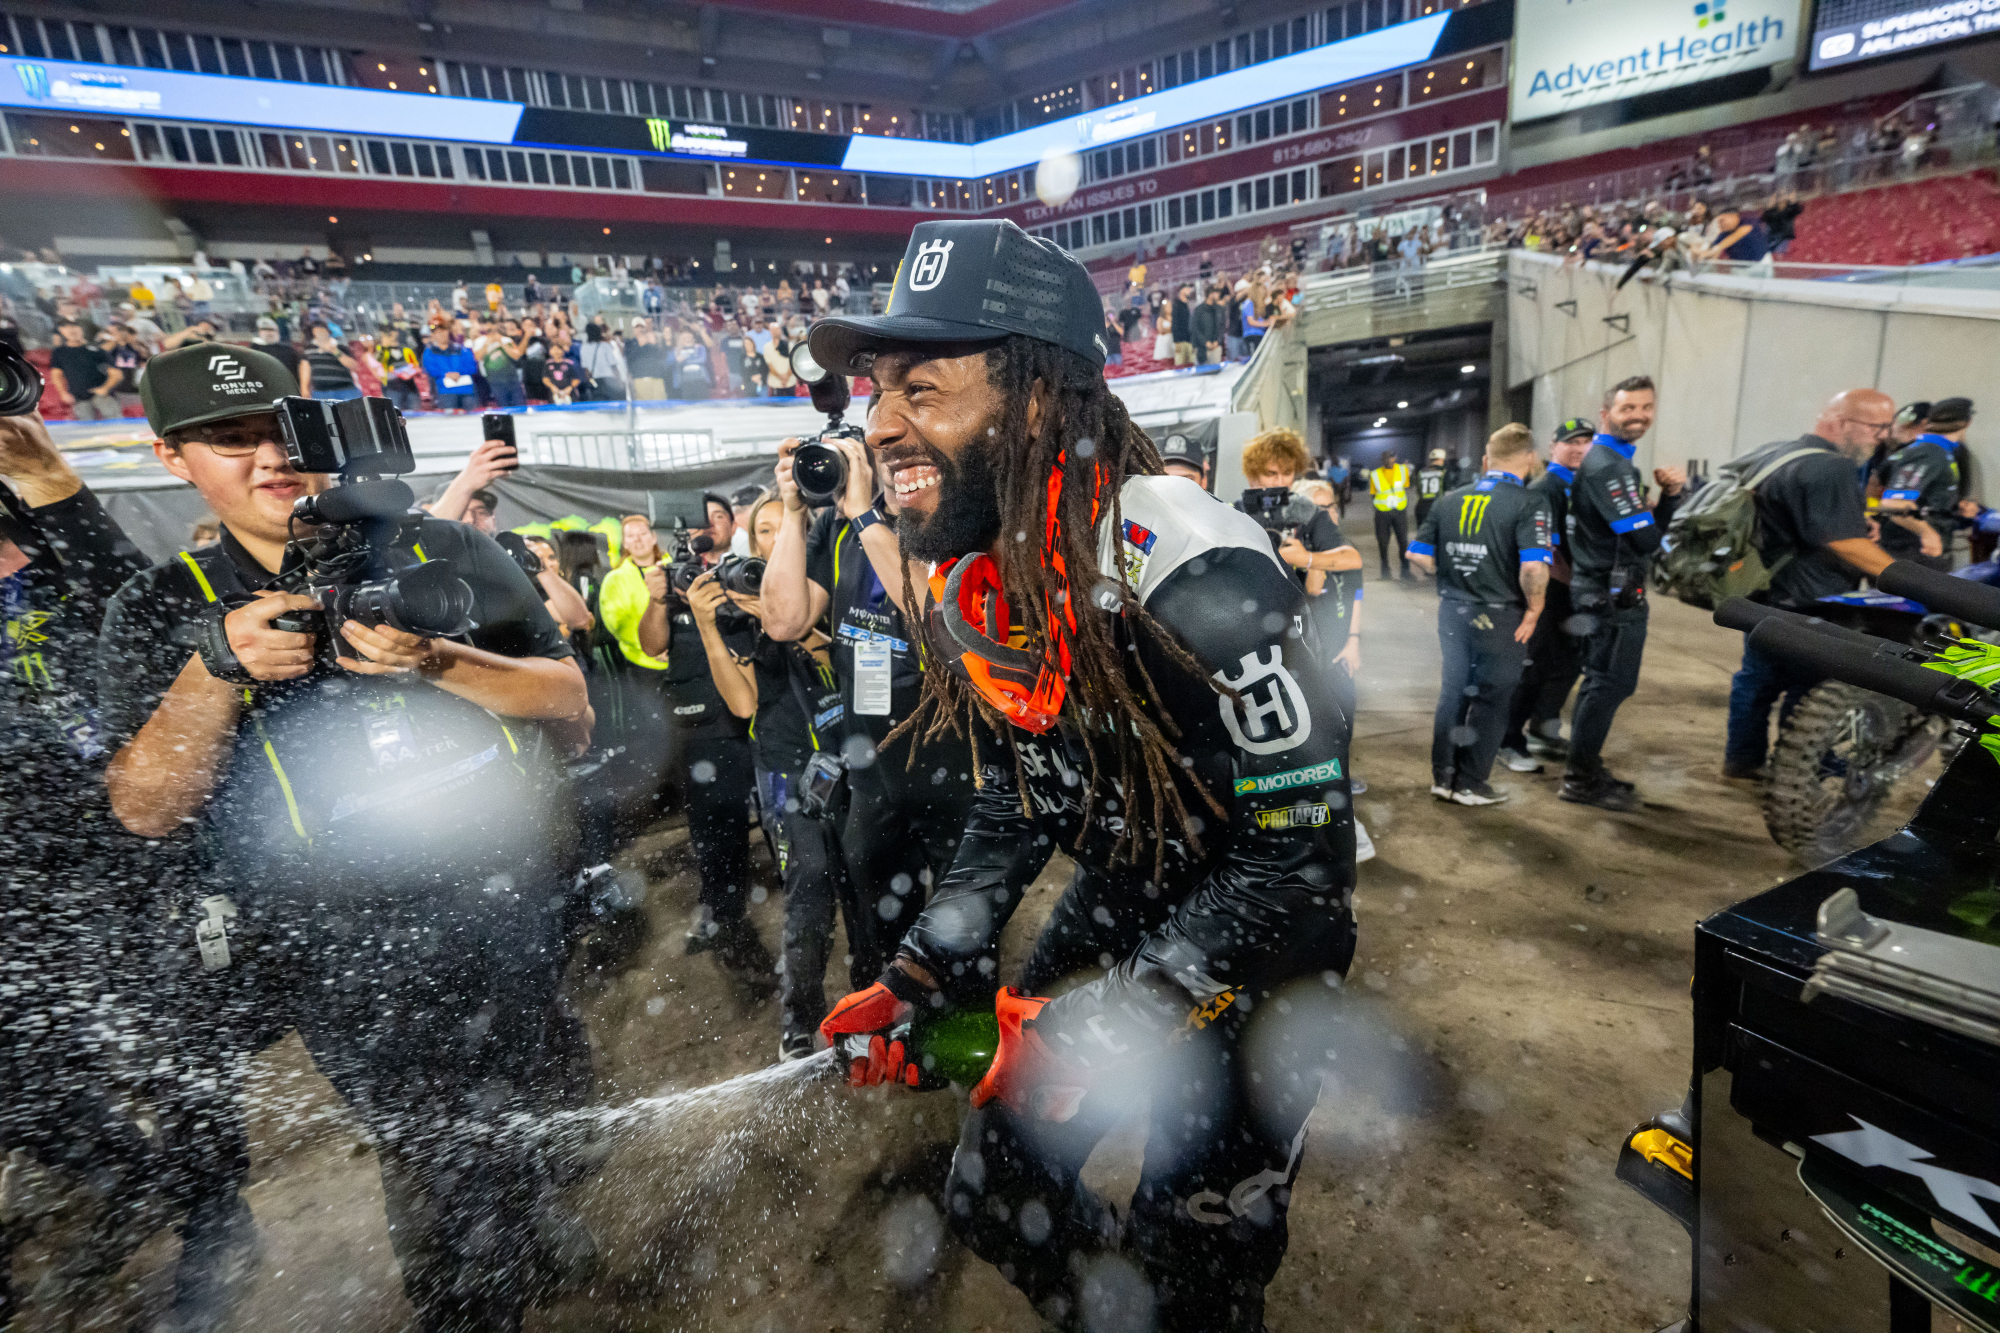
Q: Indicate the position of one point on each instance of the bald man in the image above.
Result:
(1810, 516)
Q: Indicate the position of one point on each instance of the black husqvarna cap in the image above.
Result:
(968, 282)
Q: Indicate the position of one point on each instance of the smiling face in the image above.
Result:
(934, 424)
(640, 543)
(251, 491)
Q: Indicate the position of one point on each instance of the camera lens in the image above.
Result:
(808, 370)
(743, 576)
(428, 599)
(820, 471)
(20, 383)
(682, 574)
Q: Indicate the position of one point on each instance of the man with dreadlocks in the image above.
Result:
(1165, 719)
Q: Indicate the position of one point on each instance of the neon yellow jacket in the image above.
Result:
(621, 605)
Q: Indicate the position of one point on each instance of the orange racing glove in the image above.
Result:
(871, 1013)
(1026, 1075)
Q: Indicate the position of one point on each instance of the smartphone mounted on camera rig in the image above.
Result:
(818, 468)
(346, 563)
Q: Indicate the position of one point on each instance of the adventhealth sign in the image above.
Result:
(1573, 53)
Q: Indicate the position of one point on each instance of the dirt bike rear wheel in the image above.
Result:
(1825, 787)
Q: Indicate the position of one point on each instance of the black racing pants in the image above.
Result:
(1394, 522)
(1555, 656)
(1207, 1228)
(815, 880)
(718, 773)
(435, 1028)
(902, 829)
(1615, 643)
(1482, 665)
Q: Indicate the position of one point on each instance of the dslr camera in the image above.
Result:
(1278, 511)
(689, 545)
(345, 565)
(818, 468)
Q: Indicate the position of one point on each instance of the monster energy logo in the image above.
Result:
(662, 132)
(1472, 513)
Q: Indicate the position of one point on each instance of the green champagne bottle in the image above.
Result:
(956, 1046)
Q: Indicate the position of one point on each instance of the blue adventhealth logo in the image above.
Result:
(1720, 41)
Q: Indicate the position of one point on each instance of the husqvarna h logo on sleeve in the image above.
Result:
(1270, 715)
(928, 271)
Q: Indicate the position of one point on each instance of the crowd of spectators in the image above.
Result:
(467, 350)
(1207, 319)
(1653, 237)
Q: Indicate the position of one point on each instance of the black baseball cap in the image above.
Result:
(973, 282)
(1178, 448)
(1575, 427)
(203, 382)
(1947, 412)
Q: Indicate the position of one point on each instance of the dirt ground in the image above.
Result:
(1522, 994)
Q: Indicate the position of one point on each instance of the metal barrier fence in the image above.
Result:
(624, 450)
(1398, 283)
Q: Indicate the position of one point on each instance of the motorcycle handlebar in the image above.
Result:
(1875, 664)
(1942, 593)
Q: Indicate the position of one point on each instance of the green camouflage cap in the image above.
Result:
(204, 382)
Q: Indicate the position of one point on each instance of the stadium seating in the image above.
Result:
(1920, 222)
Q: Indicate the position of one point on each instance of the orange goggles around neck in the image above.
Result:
(971, 610)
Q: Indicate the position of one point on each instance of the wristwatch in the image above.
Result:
(866, 519)
(217, 657)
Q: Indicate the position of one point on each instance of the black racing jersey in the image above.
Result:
(1612, 532)
(1267, 896)
(1430, 485)
(1480, 535)
(791, 681)
(341, 786)
(864, 621)
(1924, 472)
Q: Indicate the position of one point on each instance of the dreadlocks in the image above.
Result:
(1085, 432)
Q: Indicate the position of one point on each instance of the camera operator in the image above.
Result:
(1314, 549)
(644, 605)
(395, 852)
(81, 1016)
(907, 804)
(789, 693)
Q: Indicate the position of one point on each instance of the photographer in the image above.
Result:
(790, 691)
(397, 851)
(1314, 548)
(644, 606)
(907, 803)
(81, 1017)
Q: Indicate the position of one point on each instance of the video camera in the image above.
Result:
(818, 468)
(689, 545)
(1279, 511)
(345, 567)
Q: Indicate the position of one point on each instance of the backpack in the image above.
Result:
(1709, 553)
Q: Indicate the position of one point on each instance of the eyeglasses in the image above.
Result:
(231, 440)
(1880, 428)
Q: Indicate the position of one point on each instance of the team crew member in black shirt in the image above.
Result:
(1813, 529)
(81, 1018)
(1534, 721)
(1613, 532)
(1490, 545)
(1921, 488)
(906, 803)
(789, 694)
(391, 831)
(1138, 601)
(715, 762)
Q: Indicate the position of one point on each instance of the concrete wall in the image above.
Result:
(1741, 361)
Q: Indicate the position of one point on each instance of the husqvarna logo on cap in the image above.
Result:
(928, 271)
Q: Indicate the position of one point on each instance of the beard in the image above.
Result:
(967, 516)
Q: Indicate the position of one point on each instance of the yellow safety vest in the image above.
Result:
(1391, 487)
